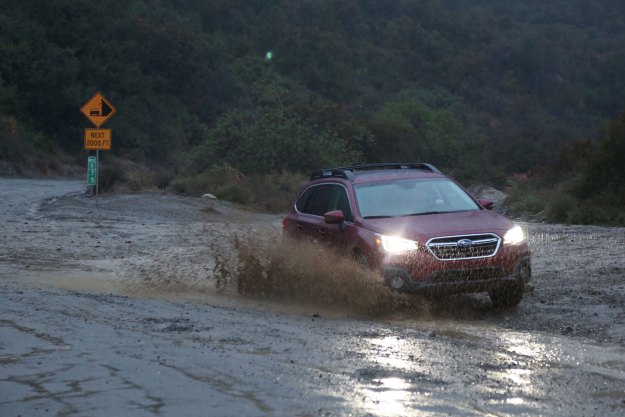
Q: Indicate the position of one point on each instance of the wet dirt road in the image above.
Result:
(125, 309)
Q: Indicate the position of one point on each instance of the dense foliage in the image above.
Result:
(483, 88)
(585, 185)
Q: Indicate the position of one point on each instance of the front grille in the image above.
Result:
(466, 275)
(464, 247)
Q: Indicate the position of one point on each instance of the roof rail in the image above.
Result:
(348, 171)
(332, 172)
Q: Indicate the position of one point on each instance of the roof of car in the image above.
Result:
(392, 174)
(378, 172)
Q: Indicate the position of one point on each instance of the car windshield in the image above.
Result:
(412, 197)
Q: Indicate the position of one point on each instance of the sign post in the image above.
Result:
(98, 110)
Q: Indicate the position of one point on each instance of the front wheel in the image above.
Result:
(508, 296)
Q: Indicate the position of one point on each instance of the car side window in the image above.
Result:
(314, 200)
(303, 199)
(339, 201)
(319, 199)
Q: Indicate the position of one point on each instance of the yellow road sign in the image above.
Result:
(98, 110)
(98, 139)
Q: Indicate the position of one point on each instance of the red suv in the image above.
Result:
(422, 230)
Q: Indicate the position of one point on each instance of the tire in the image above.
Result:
(506, 297)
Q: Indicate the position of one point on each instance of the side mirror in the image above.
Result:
(487, 204)
(334, 217)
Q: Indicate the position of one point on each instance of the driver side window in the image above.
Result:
(340, 201)
(319, 199)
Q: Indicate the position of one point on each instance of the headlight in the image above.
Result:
(514, 236)
(396, 245)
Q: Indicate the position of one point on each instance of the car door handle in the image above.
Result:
(321, 231)
(300, 227)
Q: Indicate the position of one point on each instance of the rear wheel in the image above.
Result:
(508, 296)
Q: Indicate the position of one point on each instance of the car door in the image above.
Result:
(313, 204)
(337, 234)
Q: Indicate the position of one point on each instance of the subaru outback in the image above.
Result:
(419, 228)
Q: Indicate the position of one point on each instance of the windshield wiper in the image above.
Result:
(424, 213)
(434, 212)
(404, 215)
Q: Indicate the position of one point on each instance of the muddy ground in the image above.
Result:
(130, 308)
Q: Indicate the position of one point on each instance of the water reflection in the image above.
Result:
(494, 371)
(530, 347)
(519, 376)
(393, 352)
(515, 401)
(390, 398)
(519, 380)
(389, 392)
(394, 385)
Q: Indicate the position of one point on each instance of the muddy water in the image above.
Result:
(131, 307)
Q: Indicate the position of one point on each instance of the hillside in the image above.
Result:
(481, 88)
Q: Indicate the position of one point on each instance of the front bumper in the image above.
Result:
(467, 279)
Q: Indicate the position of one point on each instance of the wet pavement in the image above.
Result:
(106, 311)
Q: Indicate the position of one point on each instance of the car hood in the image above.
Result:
(424, 227)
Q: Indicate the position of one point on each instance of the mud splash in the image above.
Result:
(256, 265)
(309, 275)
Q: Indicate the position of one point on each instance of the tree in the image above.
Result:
(412, 131)
(606, 172)
(271, 136)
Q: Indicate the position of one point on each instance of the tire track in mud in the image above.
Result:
(54, 343)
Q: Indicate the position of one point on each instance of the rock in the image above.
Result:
(488, 193)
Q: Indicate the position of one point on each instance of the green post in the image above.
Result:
(91, 170)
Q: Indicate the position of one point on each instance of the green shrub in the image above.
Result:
(235, 193)
(108, 176)
(275, 192)
(526, 203)
(561, 208)
(192, 185)
(267, 192)
(210, 181)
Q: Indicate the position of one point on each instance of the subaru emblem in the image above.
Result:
(464, 243)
